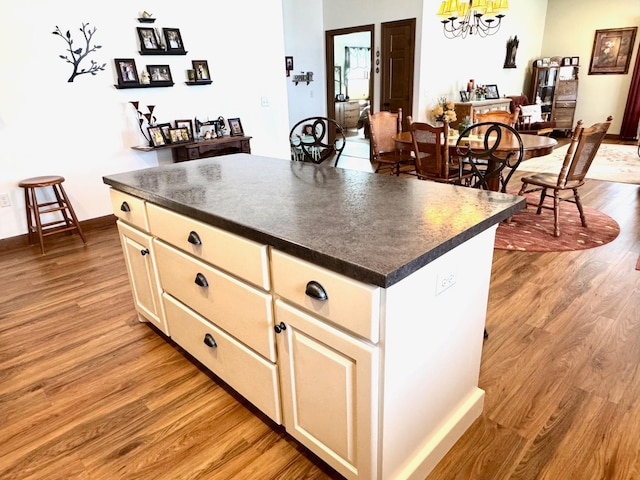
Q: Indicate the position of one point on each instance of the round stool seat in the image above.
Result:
(44, 181)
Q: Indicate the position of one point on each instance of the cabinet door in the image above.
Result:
(138, 255)
(329, 390)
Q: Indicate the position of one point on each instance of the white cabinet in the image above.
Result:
(347, 114)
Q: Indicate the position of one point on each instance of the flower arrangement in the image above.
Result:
(480, 91)
(444, 111)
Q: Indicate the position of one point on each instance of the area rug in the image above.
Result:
(528, 232)
(638, 264)
(613, 163)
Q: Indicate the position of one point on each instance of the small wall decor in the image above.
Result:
(201, 68)
(145, 17)
(612, 50)
(235, 127)
(151, 120)
(149, 41)
(288, 65)
(512, 49)
(127, 72)
(173, 40)
(159, 73)
(76, 55)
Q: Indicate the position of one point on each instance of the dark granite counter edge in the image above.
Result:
(348, 269)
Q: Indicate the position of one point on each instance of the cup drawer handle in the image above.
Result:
(315, 290)
(201, 280)
(194, 238)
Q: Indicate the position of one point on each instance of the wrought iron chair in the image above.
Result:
(497, 150)
(309, 140)
(585, 142)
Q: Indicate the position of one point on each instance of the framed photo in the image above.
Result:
(235, 127)
(165, 130)
(173, 40)
(127, 72)
(157, 137)
(464, 96)
(492, 92)
(201, 69)
(566, 61)
(612, 50)
(149, 41)
(179, 135)
(186, 124)
(575, 61)
(288, 65)
(159, 73)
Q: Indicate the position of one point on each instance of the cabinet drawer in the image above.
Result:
(243, 258)
(352, 305)
(252, 376)
(241, 310)
(130, 209)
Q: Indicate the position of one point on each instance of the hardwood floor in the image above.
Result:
(88, 392)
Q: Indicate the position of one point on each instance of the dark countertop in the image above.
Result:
(374, 228)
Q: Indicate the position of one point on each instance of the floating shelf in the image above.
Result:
(163, 52)
(144, 85)
(146, 20)
(199, 82)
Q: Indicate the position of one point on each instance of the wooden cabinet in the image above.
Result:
(470, 109)
(347, 114)
(204, 148)
(555, 89)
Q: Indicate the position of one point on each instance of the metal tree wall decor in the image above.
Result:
(76, 55)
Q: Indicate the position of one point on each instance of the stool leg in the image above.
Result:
(28, 207)
(36, 217)
(63, 205)
(72, 213)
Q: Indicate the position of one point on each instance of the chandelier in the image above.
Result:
(472, 17)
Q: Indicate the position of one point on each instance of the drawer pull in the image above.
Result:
(201, 280)
(279, 328)
(317, 291)
(209, 341)
(194, 238)
(144, 252)
(125, 207)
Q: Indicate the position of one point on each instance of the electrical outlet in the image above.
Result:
(5, 200)
(445, 281)
(264, 101)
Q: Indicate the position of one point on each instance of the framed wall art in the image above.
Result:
(235, 127)
(159, 73)
(575, 61)
(173, 40)
(612, 50)
(149, 41)
(127, 72)
(201, 69)
(492, 92)
(288, 64)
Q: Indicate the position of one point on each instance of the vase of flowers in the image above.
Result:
(481, 92)
(444, 111)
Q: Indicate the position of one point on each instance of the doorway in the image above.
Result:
(349, 55)
(396, 76)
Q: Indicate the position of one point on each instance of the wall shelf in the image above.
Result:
(144, 85)
(199, 82)
(162, 52)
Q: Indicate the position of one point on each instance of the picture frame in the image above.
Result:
(165, 130)
(201, 69)
(612, 51)
(288, 65)
(173, 39)
(235, 127)
(179, 135)
(492, 92)
(149, 41)
(127, 71)
(159, 73)
(157, 137)
(575, 61)
(566, 61)
(464, 96)
(188, 124)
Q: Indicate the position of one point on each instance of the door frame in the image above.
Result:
(329, 36)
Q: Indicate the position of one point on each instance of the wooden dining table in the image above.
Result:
(533, 146)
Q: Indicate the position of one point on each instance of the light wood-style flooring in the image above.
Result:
(87, 392)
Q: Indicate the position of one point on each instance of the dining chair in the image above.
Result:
(585, 142)
(498, 149)
(431, 153)
(500, 116)
(313, 140)
(531, 119)
(385, 151)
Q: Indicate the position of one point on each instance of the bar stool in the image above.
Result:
(69, 221)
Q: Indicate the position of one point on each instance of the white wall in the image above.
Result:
(84, 130)
(570, 31)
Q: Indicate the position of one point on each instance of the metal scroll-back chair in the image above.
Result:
(310, 140)
(585, 143)
(486, 156)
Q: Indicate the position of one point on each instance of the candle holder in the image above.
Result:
(151, 120)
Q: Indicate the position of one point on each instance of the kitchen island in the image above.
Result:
(347, 306)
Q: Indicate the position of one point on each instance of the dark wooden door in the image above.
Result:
(397, 64)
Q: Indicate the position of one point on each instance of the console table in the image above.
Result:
(469, 109)
(203, 148)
